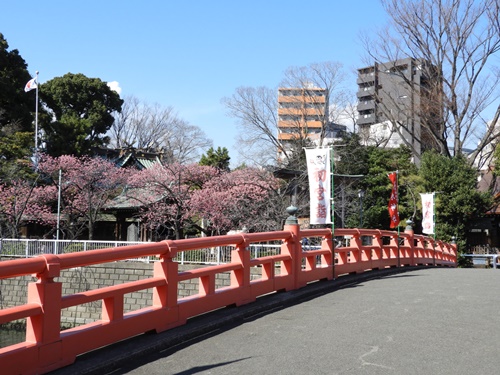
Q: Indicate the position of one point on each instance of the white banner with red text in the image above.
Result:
(427, 213)
(318, 169)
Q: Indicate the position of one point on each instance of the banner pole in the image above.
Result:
(36, 122)
(434, 227)
(397, 210)
(332, 208)
(36, 115)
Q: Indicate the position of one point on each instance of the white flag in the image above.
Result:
(427, 213)
(318, 168)
(32, 84)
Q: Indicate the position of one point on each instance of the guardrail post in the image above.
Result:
(240, 278)
(329, 260)
(293, 247)
(377, 249)
(356, 255)
(454, 248)
(45, 329)
(393, 253)
(411, 241)
(165, 296)
(438, 253)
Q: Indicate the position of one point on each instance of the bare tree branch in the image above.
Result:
(458, 39)
(158, 128)
(256, 110)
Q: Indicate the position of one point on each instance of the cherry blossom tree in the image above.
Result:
(245, 198)
(87, 185)
(22, 202)
(165, 192)
(177, 198)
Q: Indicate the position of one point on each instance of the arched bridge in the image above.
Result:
(47, 348)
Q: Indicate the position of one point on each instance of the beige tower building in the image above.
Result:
(302, 114)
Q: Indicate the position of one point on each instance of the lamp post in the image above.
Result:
(361, 194)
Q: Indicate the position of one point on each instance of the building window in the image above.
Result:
(287, 118)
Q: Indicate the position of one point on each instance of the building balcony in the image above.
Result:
(366, 91)
(366, 119)
(314, 124)
(299, 124)
(301, 112)
(288, 136)
(365, 78)
(366, 105)
(302, 99)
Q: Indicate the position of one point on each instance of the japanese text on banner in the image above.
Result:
(318, 168)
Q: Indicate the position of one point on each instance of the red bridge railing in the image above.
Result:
(47, 348)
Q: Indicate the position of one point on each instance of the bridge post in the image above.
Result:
(241, 278)
(293, 247)
(393, 253)
(376, 253)
(165, 296)
(45, 329)
(411, 242)
(453, 252)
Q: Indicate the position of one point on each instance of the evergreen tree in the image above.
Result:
(216, 158)
(374, 164)
(457, 198)
(81, 115)
(16, 114)
(16, 106)
(381, 162)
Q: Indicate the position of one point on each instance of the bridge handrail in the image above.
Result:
(291, 268)
(14, 248)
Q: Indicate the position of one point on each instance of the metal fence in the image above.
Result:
(25, 248)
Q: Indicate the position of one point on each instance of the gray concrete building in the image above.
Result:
(399, 103)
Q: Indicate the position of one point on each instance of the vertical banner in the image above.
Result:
(427, 213)
(318, 170)
(394, 200)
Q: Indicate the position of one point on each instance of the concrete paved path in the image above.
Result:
(424, 321)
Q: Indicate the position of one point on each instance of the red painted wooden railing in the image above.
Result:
(47, 347)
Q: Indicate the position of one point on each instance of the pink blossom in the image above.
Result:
(87, 185)
(22, 202)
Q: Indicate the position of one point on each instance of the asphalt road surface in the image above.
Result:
(425, 321)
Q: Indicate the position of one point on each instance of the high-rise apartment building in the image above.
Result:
(303, 114)
(397, 104)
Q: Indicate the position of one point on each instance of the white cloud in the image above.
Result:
(115, 86)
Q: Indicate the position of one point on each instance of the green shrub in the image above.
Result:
(73, 248)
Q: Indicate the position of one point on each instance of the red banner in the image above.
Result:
(393, 202)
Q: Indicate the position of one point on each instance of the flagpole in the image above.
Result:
(36, 120)
(59, 204)
(397, 210)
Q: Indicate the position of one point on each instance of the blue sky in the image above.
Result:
(187, 54)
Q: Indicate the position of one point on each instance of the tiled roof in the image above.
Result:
(130, 157)
(130, 199)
